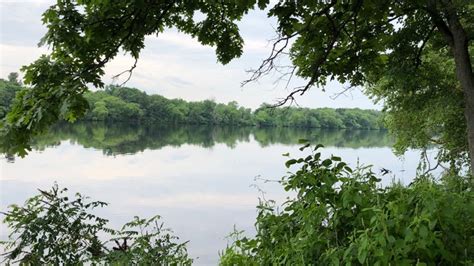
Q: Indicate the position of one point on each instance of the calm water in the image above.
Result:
(202, 180)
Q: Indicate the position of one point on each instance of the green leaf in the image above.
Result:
(362, 255)
(318, 146)
(290, 163)
(303, 141)
(423, 231)
(304, 147)
(326, 162)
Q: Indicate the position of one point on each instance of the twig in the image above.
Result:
(129, 71)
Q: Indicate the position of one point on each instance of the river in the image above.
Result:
(201, 180)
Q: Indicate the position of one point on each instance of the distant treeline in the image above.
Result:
(129, 104)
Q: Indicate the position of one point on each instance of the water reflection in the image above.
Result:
(121, 138)
(200, 179)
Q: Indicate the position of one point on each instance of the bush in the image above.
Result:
(53, 229)
(151, 244)
(341, 216)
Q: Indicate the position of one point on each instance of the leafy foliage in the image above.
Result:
(152, 244)
(130, 105)
(53, 229)
(13, 77)
(415, 57)
(8, 90)
(343, 216)
(330, 118)
(427, 108)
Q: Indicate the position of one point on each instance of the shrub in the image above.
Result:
(341, 216)
(53, 229)
(151, 244)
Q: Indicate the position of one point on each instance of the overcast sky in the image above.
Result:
(173, 64)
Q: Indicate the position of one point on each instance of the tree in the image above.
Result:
(393, 49)
(13, 77)
(362, 43)
(427, 108)
(7, 95)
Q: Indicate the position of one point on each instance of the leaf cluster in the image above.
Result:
(427, 108)
(53, 229)
(151, 244)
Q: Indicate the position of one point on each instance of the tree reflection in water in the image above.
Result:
(126, 138)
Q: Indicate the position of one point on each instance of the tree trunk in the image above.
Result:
(466, 77)
(464, 74)
(457, 39)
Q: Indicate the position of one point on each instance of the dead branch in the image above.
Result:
(343, 92)
(268, 64)
(129, 71)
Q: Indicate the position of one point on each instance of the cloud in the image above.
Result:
(179, 82)
(183, 41)
(13, 57)
(256, 46)
(178, 39)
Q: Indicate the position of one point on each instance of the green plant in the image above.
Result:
(344, 216)
(150, 244)
(53, 229)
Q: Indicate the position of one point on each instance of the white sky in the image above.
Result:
(173, 64)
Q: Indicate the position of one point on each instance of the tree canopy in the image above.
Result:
(411, 55)
(392, 48)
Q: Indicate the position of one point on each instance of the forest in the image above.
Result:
(123, 104)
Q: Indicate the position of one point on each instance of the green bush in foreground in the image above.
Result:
(53, 229)
(340, 216)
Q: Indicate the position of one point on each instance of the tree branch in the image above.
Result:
(439, 22)
(423, 44)
(129, 71)
(268, 64)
